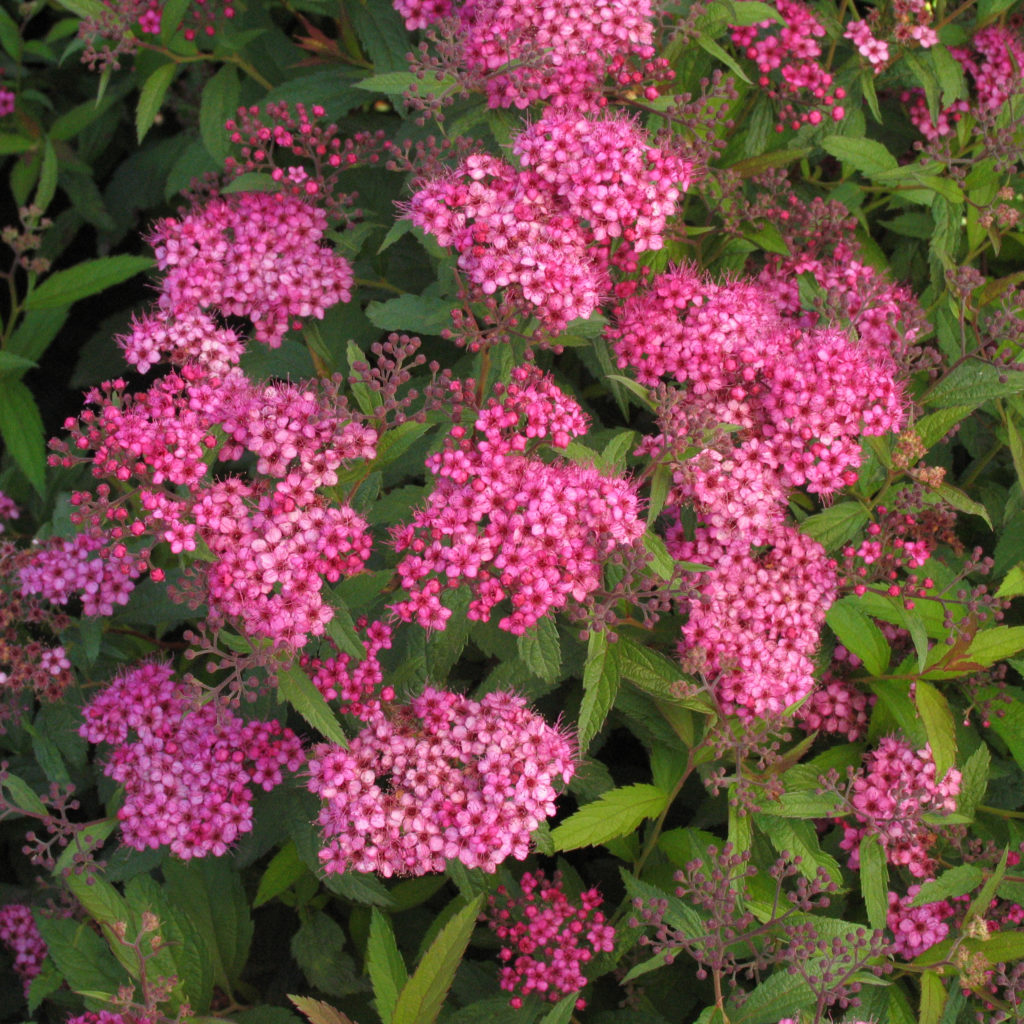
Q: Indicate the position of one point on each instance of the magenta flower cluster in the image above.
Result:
(547, 937)
(544, 233)
(890, 797)
(359, 685)
(18, 932)
(189, 772)
(508, 524)
(442, 778)
(916, 929)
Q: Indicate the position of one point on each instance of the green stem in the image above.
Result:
(652, 839)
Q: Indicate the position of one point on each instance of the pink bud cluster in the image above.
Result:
(508, 524)
(838, 708)
(787, 53)
(441, 778)
(18, 932)
(916, 929)
(543, 50)
(92, 566)
(544, 233)
(358, 686)
(889, 798)
(189, 773)
(547, 937)
(255, 255)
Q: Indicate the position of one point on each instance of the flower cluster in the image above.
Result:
(547, 937)
(358, 686)
(542, 50)
(890, 797)
(837, 708)
(18, 932)
(916, 929)
(8, 510)
(508, 524)
(544, 233)
(787, 54)
(189, 772)
(441, 778)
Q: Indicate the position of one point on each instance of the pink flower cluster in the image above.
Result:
(18, 932)
(545, 50)
(8, 510)
(895, 789)
(189, 773)
(544, 233)
(916, 929)
(837, 708)
(547, 937)
(441, 778)
(90, 565)
(255, 255)
(787, 54)
(108, 1017)
(875, 51)
(508, 524)
(358, 686)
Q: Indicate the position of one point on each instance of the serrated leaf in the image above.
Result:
(799, 838)
(423, 995)
(1013, 583)
(393, 83)
(85, 279)
(47, 187)
(283, 871)
(933, 998)
(218, 103)
(318, 1012)
(974, 781)
(954, 882)
(874, 879)
(938, 726)
(22, 431)
(972, 383)
(562, 1011)
(646, 668)
(615, 813)
(385, 965)
(866, 155)
(295, 687)
(859, 634)
(317, 948)
(414, 314)
(151, 96)
(600, 685)
(960, 501)
(836, 525)
(996, 644)
(541, 650)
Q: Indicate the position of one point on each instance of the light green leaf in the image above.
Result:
(615, 813)
(874, 879)
(414, 314)
(859, 634)
(396, 82)
(955, 497)
(295, 687)
(385, 965)
(541, 650)
(283, 871)
(974, 781)
(600, 685)
(423, 995)
(799, 838)
(836, 525)
(996, 644)
(938, 725)
(933, 998)
(22, 431)
(954, 882)
(866, 155)
(219, 102)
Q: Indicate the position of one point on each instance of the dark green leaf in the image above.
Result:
(21, 428)
(85, 279)
(385, 965)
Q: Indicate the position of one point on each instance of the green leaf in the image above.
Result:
(866, 155)
(85, 279)
(615, 813)
(712, 48)
(799, 838)
(284, 870)
(22, 431)
(936, 425)
(210, 893)
(317, 1012)
(1000, 947)
(1013, 583)
(414, 314)
(973, 383)
(385, 965)
(22, 796)
(996, 644)
(396, 82)
(836, 525)
(562, 1011)
(954, 882)
(81, 955)
(423, 995)
(859, 634)
(955, 497)
(295, 687)
(874, 879)
(933, 998)
(317, 948)
(647, 668)
(938, 725)
(781, 995)
(541, 650)
(974, 781)
(47, 187)
(600, 685)
(151, 96)
(219, 102)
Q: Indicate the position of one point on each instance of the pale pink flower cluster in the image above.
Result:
(838, 708)
(546, 937)
(875, 51)
(442, 778)
(544, 232)
(359, 686)
(916, 929)
(88, 565)
(555, 51)
(255, 255)
(189, 773)
(18, 932)
(508, 524)
(890, 797)
(788, 55)
(8, 509)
